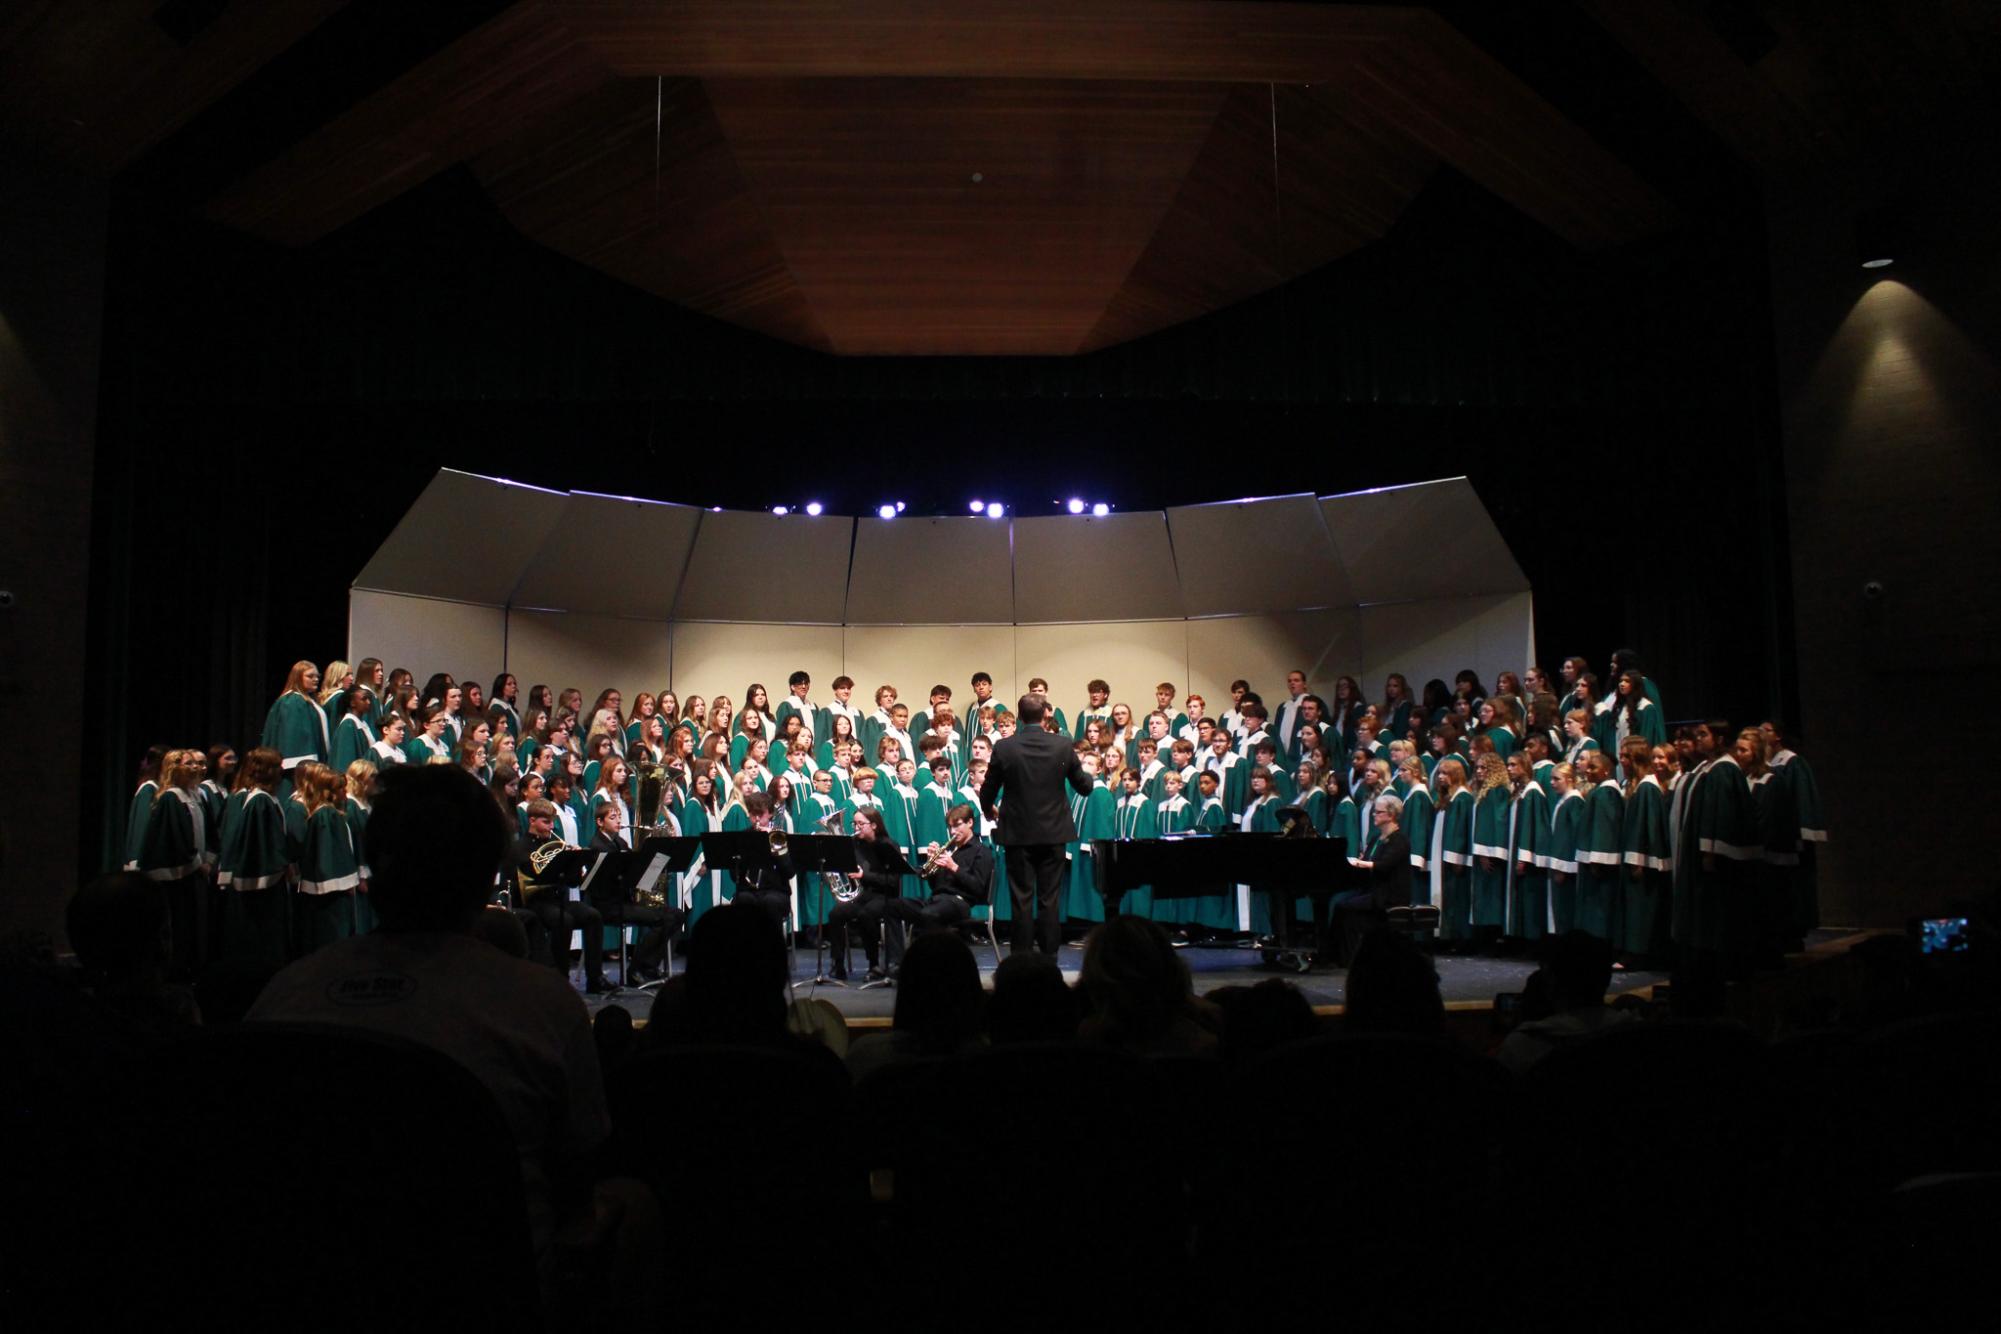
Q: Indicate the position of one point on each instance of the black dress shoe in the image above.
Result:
(876, 975)
(839, 972)
(599, 986)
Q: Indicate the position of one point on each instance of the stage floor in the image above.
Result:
(1462, 979)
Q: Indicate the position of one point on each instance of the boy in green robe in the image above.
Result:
(796, 705)
(1038, 686)
(1100, 708)
(1600, 851)
(1528, 859)
(1133, 817)
(1093, 817)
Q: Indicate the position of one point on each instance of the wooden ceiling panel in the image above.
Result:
(1230, 234)
(97, 83)
(868, 187)
(636, 180)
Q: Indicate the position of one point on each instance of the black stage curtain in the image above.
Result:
(269, 415)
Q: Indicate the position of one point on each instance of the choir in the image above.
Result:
(1528, 812)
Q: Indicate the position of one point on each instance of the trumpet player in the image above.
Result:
(766, 881)
(879, 886)
(957, 871)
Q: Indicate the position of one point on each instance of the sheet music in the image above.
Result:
(583, 890)
(652, 875)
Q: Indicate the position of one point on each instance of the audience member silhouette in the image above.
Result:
(1031, 1001)
(1142, 998)
(1392, 987)
(1259, 1018)
(1574, 982)
(940, 1007)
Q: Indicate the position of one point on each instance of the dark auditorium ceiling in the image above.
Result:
(921, 176)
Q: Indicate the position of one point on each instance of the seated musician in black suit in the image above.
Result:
(879, 888)
(1388, 870)
(958, 877)
(661, 923)
(551, 907)
(765, 880)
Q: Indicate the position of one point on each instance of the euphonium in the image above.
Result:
(777, 843)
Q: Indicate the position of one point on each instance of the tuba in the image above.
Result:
(654, 784)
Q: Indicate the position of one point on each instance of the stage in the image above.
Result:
(1465, 981)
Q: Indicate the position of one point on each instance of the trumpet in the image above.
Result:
(933, 854)
(777, 843)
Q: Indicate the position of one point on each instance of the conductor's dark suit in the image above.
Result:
(1027, 777)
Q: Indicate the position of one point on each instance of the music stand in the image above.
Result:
(899, 867)
(818, 855)
(616, 880)
(740, 848)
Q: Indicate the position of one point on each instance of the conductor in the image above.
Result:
(1029, 770)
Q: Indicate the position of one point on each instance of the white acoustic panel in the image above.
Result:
(1130, 656)
(713, 659)
(1440, 638)
(426, 635)
(761, 567)
(1247, 556)
(1074, 568)
(611, 556)
(592, 653)
(1428, 540)
(931, 571)
(467, 539)
(1324, 644)
(915, 658)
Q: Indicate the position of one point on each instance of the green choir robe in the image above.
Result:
(1174, 815)
(1084, 715)
(1416, 825)
(1253, 901)
(1646, 855)
(902, 808)
(175, 845)
(297, 729)
(1217, 911)
(1490, 853)
(1504, 740)
(251, 861)
(702, 890)
(1451, 854)
(931, 823)
(1528, 863)
(1095, 818)
(214, 801)
(329, 872)
(1566, 834)
(1599, 855)
(352, 741)
(793, 707)
(1798, 866)
(1714, 908)
(357, 825)
(1134, 817)
(137, 816)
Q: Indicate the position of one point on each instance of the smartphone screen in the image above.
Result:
(1940, 935)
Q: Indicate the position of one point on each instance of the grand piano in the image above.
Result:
(1183, 866)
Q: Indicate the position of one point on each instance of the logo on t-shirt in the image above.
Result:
(371, 988)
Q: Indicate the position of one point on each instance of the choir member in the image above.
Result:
(1600, 851)
(1492, 804)
(296, 727)
(251, 865)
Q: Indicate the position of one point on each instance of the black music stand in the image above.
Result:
(741, 848)
(1294, 822)
(818, 855)
(618, 876)
(899, 867)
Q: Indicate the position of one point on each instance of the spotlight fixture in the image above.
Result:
(1075, 506)
(1101, 509)
(995, 509)
(899, 507)
(978, 507)
(813, 508)
(885, 511)
(780, 510)
(715, 509)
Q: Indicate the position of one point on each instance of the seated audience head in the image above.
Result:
(939, 1001)
(1580, 971)
(435, 840)
(1135, 980)
(1031, 1001)
(1259, 1018)
(1392, 987)
(737, 976)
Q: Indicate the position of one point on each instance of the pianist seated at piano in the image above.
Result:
(1388, 869)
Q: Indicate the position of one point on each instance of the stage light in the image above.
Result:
(813, 508)
(899, 507)
(715, 509)
(780, 510)
(1101, 509)
(995, 510)
(978, 507)
(1076, 506)
(885, 512)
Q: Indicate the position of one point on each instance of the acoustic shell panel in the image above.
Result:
(611, 556)
(790, 570)
(915, 658)
(1076, 568)
(562, 649)
(1239, 557)
(1440, 637)
(1428, 540)
(466, 539)
(1129, 656)
(1325, 644)
(931, 571)
(425, 635)
(713, 659)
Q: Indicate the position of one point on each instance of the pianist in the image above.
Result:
(1388, 869)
